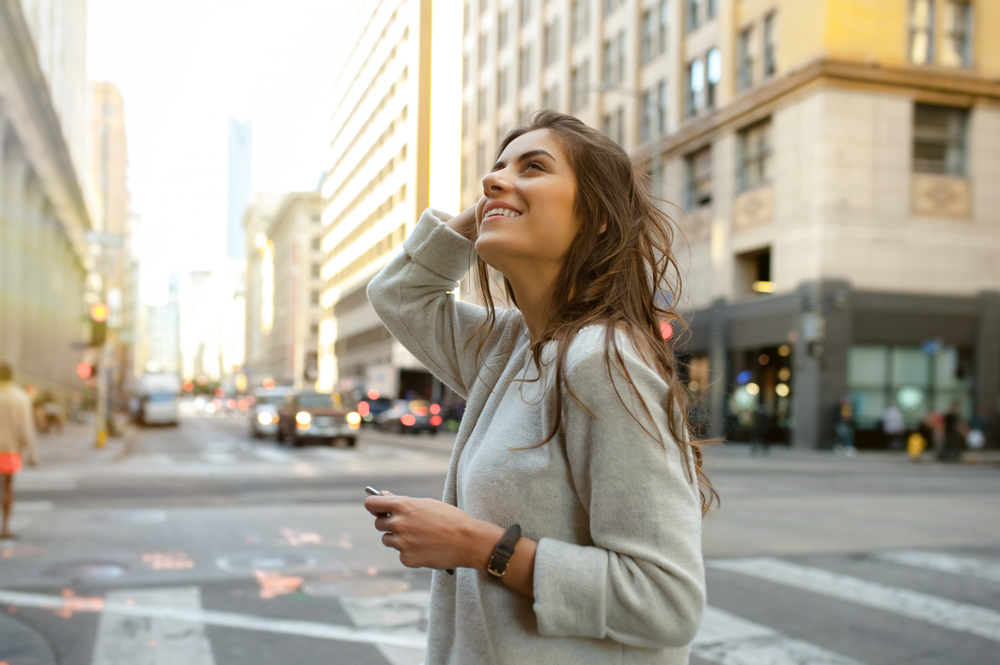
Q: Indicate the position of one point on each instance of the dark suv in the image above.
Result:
(317, 416)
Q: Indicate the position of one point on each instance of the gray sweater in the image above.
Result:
(619, 576)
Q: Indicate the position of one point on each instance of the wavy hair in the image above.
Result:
(611, 277)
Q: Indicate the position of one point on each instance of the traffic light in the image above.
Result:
(98, 324)
(85, 370)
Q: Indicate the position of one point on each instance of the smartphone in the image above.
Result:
(374, 492)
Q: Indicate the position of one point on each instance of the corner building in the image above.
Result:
(385, 142)
(831, 166)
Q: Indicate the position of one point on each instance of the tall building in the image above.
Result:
(238, 185)
(397, 102)
(260, 282)
(832, 167)
(162, 349)
(288, 347)
(44, 215)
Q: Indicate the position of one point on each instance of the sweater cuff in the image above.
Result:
(569, 586)
(437, 247)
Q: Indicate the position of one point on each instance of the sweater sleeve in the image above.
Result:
(642, 582)
(414, 297)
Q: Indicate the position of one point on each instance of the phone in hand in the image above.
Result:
(374, 492)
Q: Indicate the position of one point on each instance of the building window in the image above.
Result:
(713, 8)
(956, 46)
(609, 61)
(645, 125)
(551, 42)
(939, 139)
(606, 125)
(314, 298)
(921, 31)
(714, 75)
(484, 6)
(648, 30)
(664, 25)
(482, 158)
(503, 28)
(316, 243)
(620, 128)
(699, 178)
(482, 104)
(316, 270)
(620, 78)
(770, 44)
(482, 48)
(525, 66)
(695, 88)
(580, 82)
(581, 19)
(744, 59)
(502, 87)
(526, 10)
(612, 5)
(662, 106)
(551, 97)
(654, 110)
(754, 165)
(753, 272)
(693, 13)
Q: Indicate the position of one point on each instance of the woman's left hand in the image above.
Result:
(429, 533)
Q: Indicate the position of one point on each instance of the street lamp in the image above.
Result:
(654, 112)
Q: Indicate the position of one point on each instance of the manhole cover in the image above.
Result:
(246, 562)
(90, 570)
(131, 517)
(363, 587)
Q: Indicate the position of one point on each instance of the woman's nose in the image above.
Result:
(495, 181)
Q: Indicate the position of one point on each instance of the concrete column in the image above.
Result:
(32, 288)
(987, 355)
(718, 363)
(15, 177)
(4, 320)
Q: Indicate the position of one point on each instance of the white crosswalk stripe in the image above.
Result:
(136, 639)
(727, 639)
(913, 604)
(945, 563)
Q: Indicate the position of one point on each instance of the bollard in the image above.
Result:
(915, 446)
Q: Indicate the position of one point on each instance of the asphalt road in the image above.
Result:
(198, 545)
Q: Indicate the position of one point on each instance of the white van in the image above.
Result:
(156, 399)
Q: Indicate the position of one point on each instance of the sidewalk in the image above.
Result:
(75, 447)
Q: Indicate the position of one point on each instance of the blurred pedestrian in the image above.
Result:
(894, 426)
(844, 426)
(976, 438)
(761, 430)
(954, 437)
(578, 426)
(17, 437)
(934, 427)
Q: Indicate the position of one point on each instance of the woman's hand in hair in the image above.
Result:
(466, 222)
(430, 533)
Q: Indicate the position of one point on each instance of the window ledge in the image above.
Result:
(935, 195)
(753, 208)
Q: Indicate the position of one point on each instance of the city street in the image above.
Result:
(198, 545)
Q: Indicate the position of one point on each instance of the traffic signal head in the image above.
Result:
(99, 312)
(85, 370)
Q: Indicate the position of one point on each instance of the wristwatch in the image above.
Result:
(497, 566)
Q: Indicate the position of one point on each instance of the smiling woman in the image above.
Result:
(572, 509)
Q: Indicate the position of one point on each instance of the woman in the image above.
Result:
(17, 436)
(566, 431)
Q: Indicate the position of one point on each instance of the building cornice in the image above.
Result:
(939, 85)
(29, 109)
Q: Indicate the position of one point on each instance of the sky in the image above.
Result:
(184, 67)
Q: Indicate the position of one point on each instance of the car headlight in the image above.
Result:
(303, 418)
(265, 418)
(353, 418)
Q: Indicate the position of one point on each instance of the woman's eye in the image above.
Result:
(533, 165)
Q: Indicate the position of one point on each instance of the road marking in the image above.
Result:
(272, 455)
(317, 630)
(137, 639)
(218, 457)
(913, 604)
(44, 481)
(945, 563)
(32, 507)
(730, 640)
(398, 614)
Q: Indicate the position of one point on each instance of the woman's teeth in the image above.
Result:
(503, 212)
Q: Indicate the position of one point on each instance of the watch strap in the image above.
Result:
(497, 566)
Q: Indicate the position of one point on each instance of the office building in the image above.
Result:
(238, 185)
(397, 104)
(832, 167)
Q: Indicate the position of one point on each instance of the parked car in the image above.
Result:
(371, 409)
(264, 411)
(316, 416)
(415, 415)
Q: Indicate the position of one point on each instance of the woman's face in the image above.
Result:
(526, 215)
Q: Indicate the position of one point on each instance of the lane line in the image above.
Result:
(218, 457)
(401, 613)
(323, 631)
(945, 563)
(122, 640)
(272, 455)
(727, 639)
(913, 604)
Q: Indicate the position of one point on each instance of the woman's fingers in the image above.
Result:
(382, 523)
(389, 540)
(380, 505)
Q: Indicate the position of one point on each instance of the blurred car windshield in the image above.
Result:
(269, 399)
(418, 407)
(315, 400)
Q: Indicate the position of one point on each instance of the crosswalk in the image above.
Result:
(174, 621)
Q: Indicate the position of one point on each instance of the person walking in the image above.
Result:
(844, 425)
(894, 426)
(573, 503)
(17, 438)
(954, 437)
(761, 430)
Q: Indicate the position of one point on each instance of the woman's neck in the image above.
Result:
(533, 289)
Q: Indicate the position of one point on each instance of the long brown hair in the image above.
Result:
(616, 269)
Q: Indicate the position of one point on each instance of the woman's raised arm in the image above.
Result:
(414, 296)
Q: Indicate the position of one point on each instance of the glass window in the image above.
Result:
(580, 82)
(744, 59)
(664, 25)
(956, 51)
(867, 365)
(921, 31)
(713, 8)
(482, 48)
(647, 29)
(621, 57)
(606, 125)
(910, 366)
(620, 127)
(696, 87)
(939, 139)
(699, 171)
(581, 19)
(525, 66)
(551, 98)
(714, 75)
(502, 87)
(609, 61)
(502, 28)
(482, 104)
(526, 10)
(693, 13)
(770, 44)
(754, 156)
(647, 116)
(662, 105)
